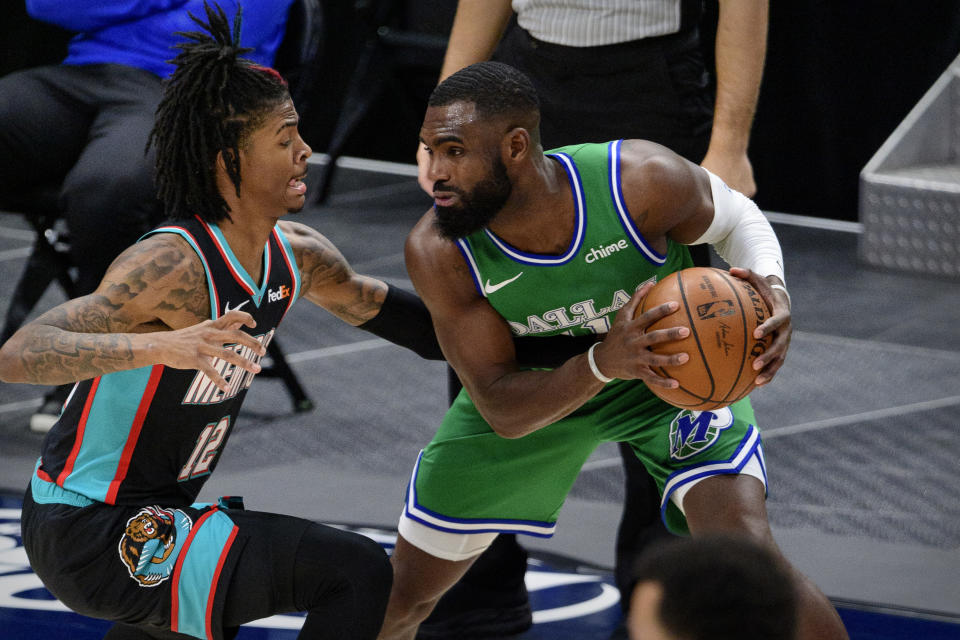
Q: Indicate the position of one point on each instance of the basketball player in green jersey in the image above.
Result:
(523, 243)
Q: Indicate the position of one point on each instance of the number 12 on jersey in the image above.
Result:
(206, 449)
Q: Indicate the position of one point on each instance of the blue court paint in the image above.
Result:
(569, 601)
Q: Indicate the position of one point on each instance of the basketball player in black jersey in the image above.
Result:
(163, 353)
(165, 349)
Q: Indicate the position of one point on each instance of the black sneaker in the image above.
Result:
(489, 602)
(477, 624)
(49, 412)
(620, 633)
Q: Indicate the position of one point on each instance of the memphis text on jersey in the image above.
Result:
(203, 391)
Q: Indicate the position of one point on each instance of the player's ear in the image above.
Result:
(222, 176)
(221, 165)
(221, 160)
(517, 144)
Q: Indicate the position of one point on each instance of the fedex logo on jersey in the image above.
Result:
(279, 294)
(583, 314)
(203, 391)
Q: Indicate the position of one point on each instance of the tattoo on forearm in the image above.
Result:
(75, 356)
(366, 302)
(190, 295)
(324, 266)
(329, 281)
(87, 337)
(140, 278)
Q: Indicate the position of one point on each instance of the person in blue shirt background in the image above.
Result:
(84, 123)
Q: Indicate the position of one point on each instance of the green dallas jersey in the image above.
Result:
(580, 291)
(471, 480)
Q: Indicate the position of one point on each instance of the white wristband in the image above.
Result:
(593, 364)
(786, 293)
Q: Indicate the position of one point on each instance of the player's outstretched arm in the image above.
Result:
(329, 281)
(151, 308)
(390, 312)
(364, 302)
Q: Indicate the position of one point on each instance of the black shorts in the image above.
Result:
(198, 571)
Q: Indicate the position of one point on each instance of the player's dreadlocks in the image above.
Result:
(210, 104)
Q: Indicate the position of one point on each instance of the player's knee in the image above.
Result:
(367, 569)
(376, 572)
(361, 573)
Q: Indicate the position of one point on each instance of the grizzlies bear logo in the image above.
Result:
(151, 543)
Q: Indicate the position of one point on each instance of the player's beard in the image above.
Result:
(477, 208)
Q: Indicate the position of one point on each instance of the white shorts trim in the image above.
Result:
(754, 467)
(747, 460)
(415, 511)
(448, 546)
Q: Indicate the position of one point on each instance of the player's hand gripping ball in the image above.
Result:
(721, 312)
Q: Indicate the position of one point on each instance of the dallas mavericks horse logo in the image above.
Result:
(693, 431)
(151, 543)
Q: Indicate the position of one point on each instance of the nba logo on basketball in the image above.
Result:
(694, 431)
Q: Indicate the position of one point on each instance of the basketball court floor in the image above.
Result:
(860, 429)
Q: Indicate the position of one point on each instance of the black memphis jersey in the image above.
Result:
(155, 434)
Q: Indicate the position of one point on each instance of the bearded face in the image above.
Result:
(476, 208)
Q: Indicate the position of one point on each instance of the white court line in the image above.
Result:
(303, 356)
(804, 427)
(372, 193)
(864, 416)
(23, 404)
(811, 222)
(340, 349)
(366, 164)
(406, 169)
(15, 254)
(17, 234)
(602, 463)
(366, 265)
(864, 343)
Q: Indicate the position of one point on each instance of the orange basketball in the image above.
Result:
(721, 312)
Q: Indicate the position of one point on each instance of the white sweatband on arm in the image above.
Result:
(740, 233)
(593, 365)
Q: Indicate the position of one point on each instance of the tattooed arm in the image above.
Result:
(328, 281)
(151, 308)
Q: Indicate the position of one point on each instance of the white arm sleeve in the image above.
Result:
(740, 233)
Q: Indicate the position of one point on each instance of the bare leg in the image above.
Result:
(735, 504)
(419, 579)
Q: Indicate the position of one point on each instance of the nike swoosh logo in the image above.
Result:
(227, 308)
(490, 288)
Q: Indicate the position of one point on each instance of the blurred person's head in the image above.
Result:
(712, 588)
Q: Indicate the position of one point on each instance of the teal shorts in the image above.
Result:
(470, 480)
